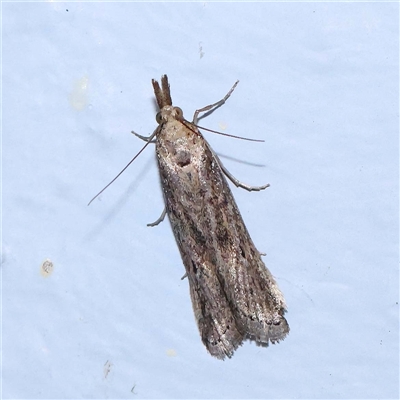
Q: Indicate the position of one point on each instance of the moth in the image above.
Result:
(234, 295)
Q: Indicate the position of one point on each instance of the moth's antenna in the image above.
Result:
(127, 165)
(187, 124)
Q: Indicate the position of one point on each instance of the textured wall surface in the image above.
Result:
(108, 315)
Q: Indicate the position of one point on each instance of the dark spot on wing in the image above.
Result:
(242, 252)
(183, 158)
(194, 266)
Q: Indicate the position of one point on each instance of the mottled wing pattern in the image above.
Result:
(234, 295)
(215, 319)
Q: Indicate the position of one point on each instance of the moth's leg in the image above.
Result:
(162, 216)
(184, 276)
(213, 107)
(235, 181)
(145, 138)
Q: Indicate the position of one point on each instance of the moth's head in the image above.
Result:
(168, 112)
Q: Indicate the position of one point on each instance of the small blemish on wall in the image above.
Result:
(46, 269)
(107, 368)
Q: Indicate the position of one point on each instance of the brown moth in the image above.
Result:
(234, 295)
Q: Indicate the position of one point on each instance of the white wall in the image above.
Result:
(319, 83)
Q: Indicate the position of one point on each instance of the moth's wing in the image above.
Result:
(214, 317)
(260, 309)
(187, 199)
(233, 294)
(253, 294)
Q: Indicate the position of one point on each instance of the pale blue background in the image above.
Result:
(319, 83)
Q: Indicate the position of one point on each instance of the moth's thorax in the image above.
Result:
(180, 146)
